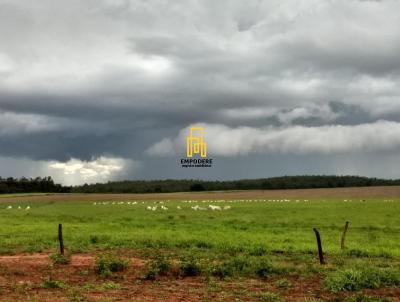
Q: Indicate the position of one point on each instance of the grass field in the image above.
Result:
(256, 238)
(275, 225)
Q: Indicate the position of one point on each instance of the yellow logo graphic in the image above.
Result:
(195, 142)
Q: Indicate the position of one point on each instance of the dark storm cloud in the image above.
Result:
(85, 79)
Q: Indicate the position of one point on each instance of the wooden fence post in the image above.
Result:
(342, 242)
(60, 239)
(320, 252)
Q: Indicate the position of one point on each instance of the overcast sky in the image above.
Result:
(92, 90)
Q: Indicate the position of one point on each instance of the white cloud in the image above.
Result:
(73, 171)
(101, 169)
(226, 141)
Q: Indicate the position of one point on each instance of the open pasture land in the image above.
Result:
(208, 246)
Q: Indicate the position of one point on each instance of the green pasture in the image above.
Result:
(277, 227)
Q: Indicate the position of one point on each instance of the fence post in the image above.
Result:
(60, 239)
(342, 242)
(320, 252)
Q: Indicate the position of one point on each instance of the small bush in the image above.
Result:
(110, 285)
(269, 297)
(107, 264)
(159, 266)
(353, 280)
(222, 270)
(366, 298)
(190, 267)
(57, 258)
(283, 284)
(94, 239)
(264, 268)
(235, 266)
(51, 284)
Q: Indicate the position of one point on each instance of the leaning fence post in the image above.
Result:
(342, 242)
(60, 239)
(320, 252)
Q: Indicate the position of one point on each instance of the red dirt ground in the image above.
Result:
(22, 278)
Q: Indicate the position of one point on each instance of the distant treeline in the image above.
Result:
(274, 183)
(30, 185)
(47, 185)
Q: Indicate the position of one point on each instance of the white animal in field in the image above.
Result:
(179, 208)
(227, 207)
(214, 208)
(164, 208)
(19, 207)
(148, 208)
(9, 207)
(27, 208)
(196, 207)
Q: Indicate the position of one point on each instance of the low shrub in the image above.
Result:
(190, 267)
(58, 258)
(51, 284)
(283, 284)
(357, 279)
(366, 298)
(222, 270)
(110, 285)
(107, 264)
(269, 297)
(264, 269)
(160, 266)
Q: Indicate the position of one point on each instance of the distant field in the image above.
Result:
(272, 224)
(363, 192)
(18, 195)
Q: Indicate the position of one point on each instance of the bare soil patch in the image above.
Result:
(24, 277)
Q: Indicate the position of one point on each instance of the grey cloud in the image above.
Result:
(82, 79)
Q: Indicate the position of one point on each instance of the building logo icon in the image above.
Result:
(195, 142)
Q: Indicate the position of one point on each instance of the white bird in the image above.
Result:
(178, 207)
(27, 208)
(227, 207)
(9, 207)
(19, 207)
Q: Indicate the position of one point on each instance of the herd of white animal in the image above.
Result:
(18, 208)
(160, 204)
